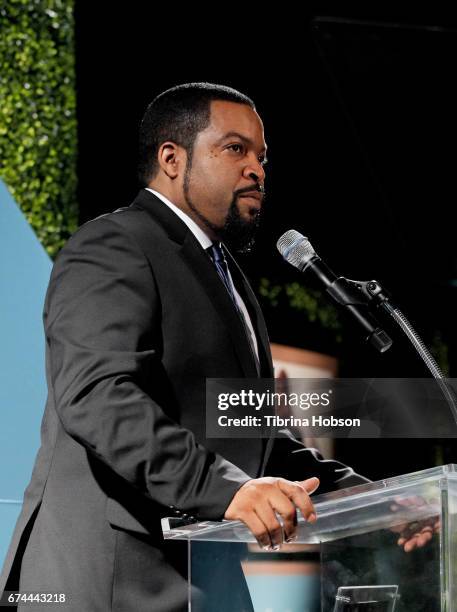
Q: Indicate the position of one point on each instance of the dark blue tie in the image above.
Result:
(217, 255)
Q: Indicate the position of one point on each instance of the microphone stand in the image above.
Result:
(297, 250)
(375, 293)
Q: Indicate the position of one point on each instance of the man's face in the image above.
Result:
(224, 183)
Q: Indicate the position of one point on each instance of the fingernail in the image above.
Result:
(271, 547)
(291, 538)
(312, 517)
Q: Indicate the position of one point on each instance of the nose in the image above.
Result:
(254, 171)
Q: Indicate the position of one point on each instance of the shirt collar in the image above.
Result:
(199, 234)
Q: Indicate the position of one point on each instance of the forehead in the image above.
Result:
(227, 117)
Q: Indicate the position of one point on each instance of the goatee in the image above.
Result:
(237, 234)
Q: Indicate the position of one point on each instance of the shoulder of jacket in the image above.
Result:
(104, 226)
(133, 226)
(129, 221)
(123, 216)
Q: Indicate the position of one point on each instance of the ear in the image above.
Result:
(171, 158)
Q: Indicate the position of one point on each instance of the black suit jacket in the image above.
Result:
(136, 318)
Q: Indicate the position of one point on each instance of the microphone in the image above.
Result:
(298, 251)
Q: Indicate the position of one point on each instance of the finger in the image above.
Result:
(410, 545)
(407, 534)
(281, 503)
(300, 497)
(258, 529)
(268, 517)
(303, 502)
(310, 484)
(416, 541)
(423, 538)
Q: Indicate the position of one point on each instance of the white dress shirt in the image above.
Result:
(206, 242)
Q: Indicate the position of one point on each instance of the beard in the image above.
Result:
(238, 234)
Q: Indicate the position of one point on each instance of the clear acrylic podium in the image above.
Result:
(348, 561)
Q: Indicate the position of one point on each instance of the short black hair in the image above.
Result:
(179, 114)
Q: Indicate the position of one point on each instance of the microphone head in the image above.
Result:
(296, 249)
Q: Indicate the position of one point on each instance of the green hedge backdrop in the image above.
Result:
(38, 140)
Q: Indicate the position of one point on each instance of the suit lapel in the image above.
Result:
(206, 274)
(205, 271)
(255, 313)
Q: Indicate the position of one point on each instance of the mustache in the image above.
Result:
(255, 187)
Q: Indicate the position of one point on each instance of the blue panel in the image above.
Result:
(24, 274)
(283, 593)
(9, 511)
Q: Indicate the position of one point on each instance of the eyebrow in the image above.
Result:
(241, 137)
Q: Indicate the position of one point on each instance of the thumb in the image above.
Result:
(310, 484)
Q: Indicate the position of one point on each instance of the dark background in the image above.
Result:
(359, 108)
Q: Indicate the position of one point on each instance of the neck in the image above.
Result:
(180, 202)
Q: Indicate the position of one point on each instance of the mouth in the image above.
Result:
(252, 195)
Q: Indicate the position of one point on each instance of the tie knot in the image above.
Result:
(216, 253)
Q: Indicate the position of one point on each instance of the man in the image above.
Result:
(141, 308)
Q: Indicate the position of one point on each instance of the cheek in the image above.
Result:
(214, 183)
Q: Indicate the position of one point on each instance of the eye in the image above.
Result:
(263, 160)
(236, 147)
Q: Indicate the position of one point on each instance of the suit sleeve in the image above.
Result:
(102, 323)
(291, 459)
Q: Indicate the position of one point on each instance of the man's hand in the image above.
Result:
(417, 534)
(414, 534)
(258, 502)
